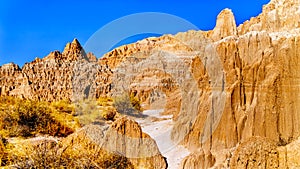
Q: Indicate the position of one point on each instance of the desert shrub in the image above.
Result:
(87, 106)
(88, 111)
(128, 105)
(3, 151)
(104, 101)
(95, 111)
(27, 118)
(63, 106)
(123, 105)
(48, 155)
(135, 102)
(109, 114)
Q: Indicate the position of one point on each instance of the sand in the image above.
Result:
(159, 128)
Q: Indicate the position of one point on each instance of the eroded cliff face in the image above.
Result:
(125, 138)
(277, 16)
(224, 87)
(69, 75)
(261, 67)
(247, 81)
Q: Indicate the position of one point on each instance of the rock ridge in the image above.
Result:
(230, 90)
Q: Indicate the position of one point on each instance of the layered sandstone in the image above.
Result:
(69, 75)
(12, 79)
(248, 81)
(198, 160)
(223, 87)
(125, 138)
(258, 152)
(262, 84)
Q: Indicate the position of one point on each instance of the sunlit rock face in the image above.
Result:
(123, 137)
(69, 75)
(223, 87)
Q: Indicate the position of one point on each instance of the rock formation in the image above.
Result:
(256, 153)
(289, 155)
(223, 87)
(198, 160)
(125, 138)
(59, 76)
(225, 25)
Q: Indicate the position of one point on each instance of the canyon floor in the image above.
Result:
(159, 127)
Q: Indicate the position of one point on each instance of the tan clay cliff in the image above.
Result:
(234, 91)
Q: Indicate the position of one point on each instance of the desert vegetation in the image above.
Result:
(35, 134)
(63, 154)
(26, 118)
(128, 105)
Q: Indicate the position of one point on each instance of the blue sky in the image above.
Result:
(30, 29)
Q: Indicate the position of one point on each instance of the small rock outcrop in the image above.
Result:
(198, 160)
(225, 26)
(74, 51)
(256, 152)
(12, 79)
(289, 155)
(125, 138)
(277, 16)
